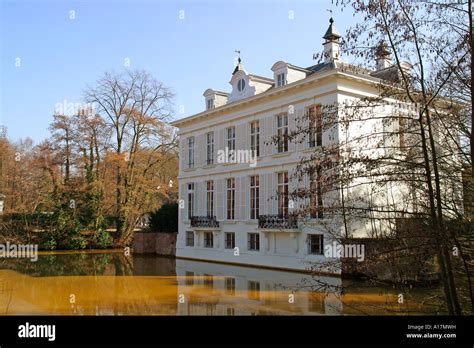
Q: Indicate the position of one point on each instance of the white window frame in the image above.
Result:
(230, 235)
(230, 199)
(206, 240)
(231, 140)
(188, 233)
(282, 133)
(281, 79)
(315, 118)
(210, 104)
(191, 152)
(253, 244)
(209, 148)
(255, 137)
(191, 199)
(210, 198)
(254, 197)
(283, 194)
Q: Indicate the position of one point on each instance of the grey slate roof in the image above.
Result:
(332, 33)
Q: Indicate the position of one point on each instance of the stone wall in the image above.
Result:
(166, 244)
(155, 243)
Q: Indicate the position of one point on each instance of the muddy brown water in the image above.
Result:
(109, 283)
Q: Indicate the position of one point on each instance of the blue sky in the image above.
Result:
(60, 56)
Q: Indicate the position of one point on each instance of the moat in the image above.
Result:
(110, 283)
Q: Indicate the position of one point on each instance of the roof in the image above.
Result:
(332, 33)
(320, 67)
(318, 71)
(261, 79)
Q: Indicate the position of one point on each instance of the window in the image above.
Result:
(210, 198)
(209, 280)
(402, 129)
(254, 196)
(190, 238)
(319, 192)
(230, 285)
(283, 194)
(191, 152)
(208, 240)
(189, 278)
(316, 125)
(210, 148)
(281, 80)
(230, 199)
(282, 132)
(315, 197)
(253, 241)
(255, 137)
(230, 240)
(254, 289)
(241, 85)
(209, 104)
(231, 141)
(190, 200)
(315, 244)
(231, 311)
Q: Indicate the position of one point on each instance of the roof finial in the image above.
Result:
(239, 63)
(331, 33)
(330, 11)
(238, 52)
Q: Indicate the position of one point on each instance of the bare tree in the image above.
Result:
(135, 106)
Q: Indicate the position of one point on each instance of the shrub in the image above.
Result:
(102, 238)
(165, 219)
(77, 243)
(49, 242)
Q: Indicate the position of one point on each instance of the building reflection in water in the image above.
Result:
(218, 289)
(111, 284)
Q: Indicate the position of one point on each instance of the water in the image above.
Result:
(109, 283)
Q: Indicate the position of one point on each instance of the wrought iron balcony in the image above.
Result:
(277, 222)
(204, 221)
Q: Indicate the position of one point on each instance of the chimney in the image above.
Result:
(382, 56)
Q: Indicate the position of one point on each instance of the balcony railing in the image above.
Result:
(204, 221)
(277, 222)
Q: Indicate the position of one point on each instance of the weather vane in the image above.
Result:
(238, 52)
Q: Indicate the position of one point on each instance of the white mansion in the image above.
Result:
(234, 181)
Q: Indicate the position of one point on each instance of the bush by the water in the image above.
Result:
(165, 219)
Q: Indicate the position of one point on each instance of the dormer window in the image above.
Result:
(281, 80)
(241, 85)
(285, 73)
(214, 99)
(210, 104)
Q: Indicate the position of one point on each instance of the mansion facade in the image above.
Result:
(234, 180)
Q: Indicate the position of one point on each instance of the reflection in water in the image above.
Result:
(109, 283)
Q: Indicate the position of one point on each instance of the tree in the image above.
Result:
(422, 155)
(165, 219)
(135, 106)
